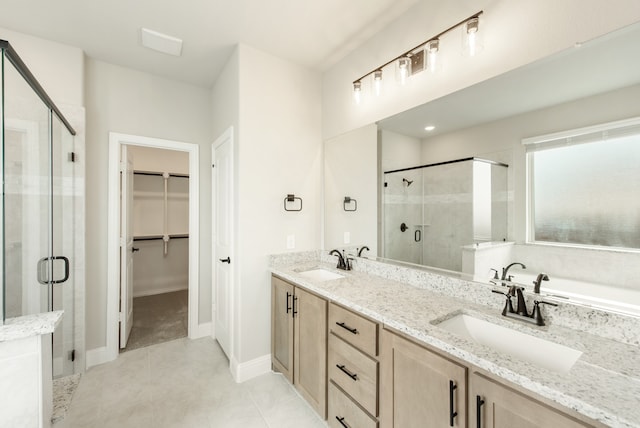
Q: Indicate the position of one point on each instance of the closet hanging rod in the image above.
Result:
(159, 237)
(160, 174)
(31, 80)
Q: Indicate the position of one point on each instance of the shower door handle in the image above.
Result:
(417, 235)
(43, 263)
(42, 270)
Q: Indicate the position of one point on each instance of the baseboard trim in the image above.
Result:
(97, 356)
(202, 330)
(242, 372)
(163, 290)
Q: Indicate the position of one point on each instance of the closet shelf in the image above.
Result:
(160, 195)
(160, 174)
(159, 237)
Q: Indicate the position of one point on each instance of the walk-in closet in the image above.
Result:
(160, 229)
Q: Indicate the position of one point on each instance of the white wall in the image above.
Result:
(159, 160)
(58, 68)
(351, 169)
(515, 33)
(132, 102)
(278, 151)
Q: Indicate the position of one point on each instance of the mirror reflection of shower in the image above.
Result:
(453, 204)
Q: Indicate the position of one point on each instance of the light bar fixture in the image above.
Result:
(429, 50)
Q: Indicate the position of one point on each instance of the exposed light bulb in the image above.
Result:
(403, 69)
(377, 82)
(433, 47)
(357, 92)
(471, 43)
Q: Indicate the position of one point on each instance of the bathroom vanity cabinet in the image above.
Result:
(353, 369)
(498, 406)
(359, 372)
(299, 340)
(418, 385)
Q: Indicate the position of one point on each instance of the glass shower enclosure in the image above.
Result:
(432, 211)
(37, 206)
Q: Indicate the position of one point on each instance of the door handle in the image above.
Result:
(134, 249)
(479, 404)
(41, 268)
(417, 235)
(43, 262)
(227, 260)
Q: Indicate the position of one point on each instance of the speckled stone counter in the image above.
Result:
(26, 370)
(603, 385)
(29, 325)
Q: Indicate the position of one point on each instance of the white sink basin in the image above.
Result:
(320, 274)
(541, 352)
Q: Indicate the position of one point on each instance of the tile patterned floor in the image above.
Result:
(183, 383)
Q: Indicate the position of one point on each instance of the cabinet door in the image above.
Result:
(419, 388)
(310, 344)
(282, 327)
(497, 406)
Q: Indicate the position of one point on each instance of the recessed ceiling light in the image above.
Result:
(161, 42)
(429, 128)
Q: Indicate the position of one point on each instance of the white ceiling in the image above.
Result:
(312, 33)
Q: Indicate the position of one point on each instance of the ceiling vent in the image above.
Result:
(161, 42)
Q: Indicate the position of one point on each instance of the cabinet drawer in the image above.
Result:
(358, 331)
(355, 372)
(343, 408)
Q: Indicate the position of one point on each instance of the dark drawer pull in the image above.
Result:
(353, 376)
(295, 307)
(452, 413)
(288, 300)
(342, 422)
(346, 327)
(479, 403)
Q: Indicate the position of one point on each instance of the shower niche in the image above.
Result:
(430, 212)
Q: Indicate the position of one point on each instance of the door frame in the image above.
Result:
(227, 135)
(116, 141)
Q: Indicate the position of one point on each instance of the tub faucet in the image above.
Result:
(536, 284)
(505, 271)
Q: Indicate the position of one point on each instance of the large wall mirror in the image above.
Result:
(456, 197)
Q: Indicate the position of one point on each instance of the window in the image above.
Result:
(584, 186)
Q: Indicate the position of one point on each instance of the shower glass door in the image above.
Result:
(62, 248)
(37, 204)
(27, 186)
(403, 216)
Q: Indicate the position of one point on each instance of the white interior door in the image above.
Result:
(126, 246)
(222, 154)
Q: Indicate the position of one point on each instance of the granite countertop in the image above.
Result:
(604, 384)
(29, 325)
